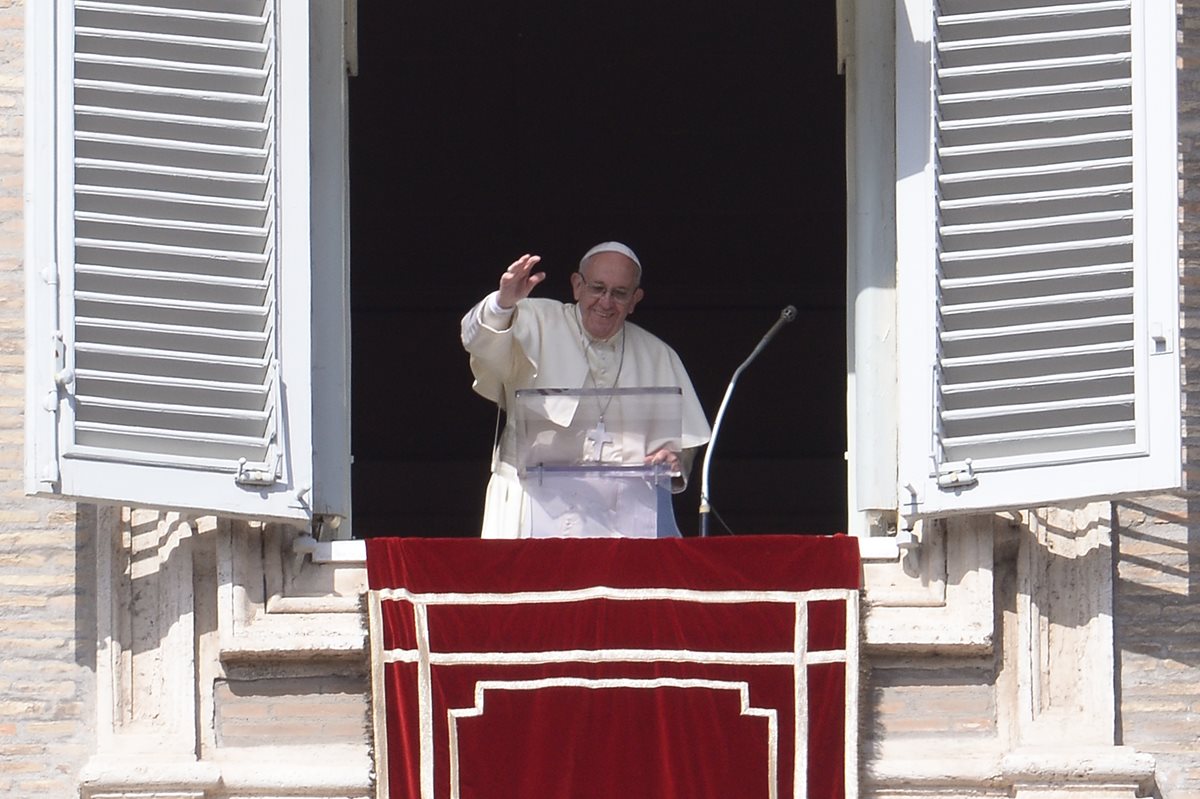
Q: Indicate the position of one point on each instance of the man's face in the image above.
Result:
(607, 292)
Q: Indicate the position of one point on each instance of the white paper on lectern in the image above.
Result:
(581, 457)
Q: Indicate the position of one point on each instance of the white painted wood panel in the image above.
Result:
(178, 369)
(1026, 278)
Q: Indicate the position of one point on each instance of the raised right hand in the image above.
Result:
(518, 280)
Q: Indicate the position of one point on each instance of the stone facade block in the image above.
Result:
(283, 711)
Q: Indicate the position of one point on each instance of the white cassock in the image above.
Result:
(545, 346)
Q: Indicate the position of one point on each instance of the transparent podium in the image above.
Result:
(581, 456)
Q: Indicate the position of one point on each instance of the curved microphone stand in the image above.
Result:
(787, 315)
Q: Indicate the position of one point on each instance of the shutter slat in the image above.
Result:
(1020, 14)
(216, 334)
(1055, 434)
(1050, 37)
(198, 253)
(219, 463)
(177, 15)
(173, 224)
(1031, 118)
(1037, 301)
(1013, 278)
(134, 115)
(996, 411)
(1122, 215)
(1102, 137)
(195, 342)
(976, 334)
(1043, 434)
(1030, 92)
(175, 435)
(1065, 64)
(112, 387)
(192, 69)
(200, 279)
(255, 179)
(177, 355)
(166, 440)
(151, 409)
(996, 358)
(1058, 168)
(139, 382)
(177, 92)
(988, 253)
(256, 153)
(102, 36)
(983, 201)
(1057, 379)
(148, 195)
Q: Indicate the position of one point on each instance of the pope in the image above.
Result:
(517, 341)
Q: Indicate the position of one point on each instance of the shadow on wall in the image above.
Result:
(1157, 604)
(85, 586)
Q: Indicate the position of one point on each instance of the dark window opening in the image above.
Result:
(710, 139)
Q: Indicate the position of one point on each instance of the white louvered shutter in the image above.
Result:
(1037, 263)
(180, 258)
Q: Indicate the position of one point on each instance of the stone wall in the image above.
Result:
(1025, 710)
(233, 664)
(1157, 634)
(47, 603)
(1157, 592)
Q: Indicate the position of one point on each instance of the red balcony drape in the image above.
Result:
(616, 668)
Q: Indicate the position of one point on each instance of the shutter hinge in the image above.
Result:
(64, 376)
(958, 474)
(258, 474)
(910, 511)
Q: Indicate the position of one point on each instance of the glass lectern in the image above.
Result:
(581, 455)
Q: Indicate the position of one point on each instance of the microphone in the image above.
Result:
(788, 314)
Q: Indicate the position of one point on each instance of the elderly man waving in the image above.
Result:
(517, 341)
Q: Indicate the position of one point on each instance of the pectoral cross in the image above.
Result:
(598, 437)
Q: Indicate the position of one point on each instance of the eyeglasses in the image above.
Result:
(621, 296)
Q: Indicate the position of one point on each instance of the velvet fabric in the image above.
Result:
(617, 668)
